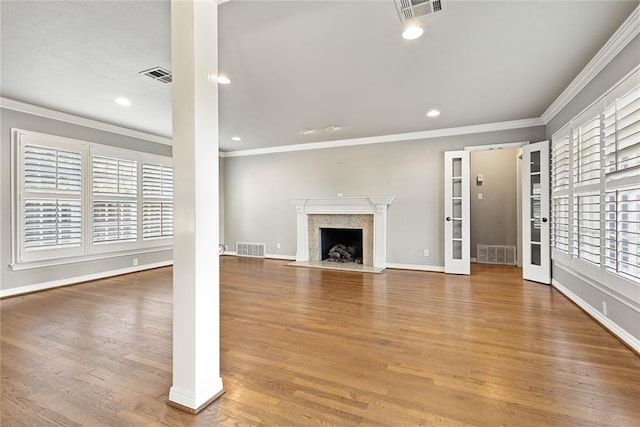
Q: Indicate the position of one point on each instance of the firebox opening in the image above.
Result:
(341, 244)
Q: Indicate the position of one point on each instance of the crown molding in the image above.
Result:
(410, 136)
(23, 107)
(620, 39)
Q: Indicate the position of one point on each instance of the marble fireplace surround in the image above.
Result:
(368, 213)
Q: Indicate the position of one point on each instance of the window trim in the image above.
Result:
(87, 251)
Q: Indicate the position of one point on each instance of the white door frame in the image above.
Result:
(520, 197)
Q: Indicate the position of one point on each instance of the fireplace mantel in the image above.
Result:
(349, 205)
(376, 206)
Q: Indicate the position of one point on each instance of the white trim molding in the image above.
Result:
(417, 267)
(609, 324)
(400, 137)
(23, 107)
(620, 39)
(79, 279)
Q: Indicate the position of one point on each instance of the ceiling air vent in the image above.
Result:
(158, 73)
(410, 9)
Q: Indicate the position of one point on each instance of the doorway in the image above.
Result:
(495, 202)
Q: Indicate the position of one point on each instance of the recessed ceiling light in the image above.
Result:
(433, 113)
(412, 33)
(122, 101)
(332, 128)
(236, 138)
(306, 131)
(223, 80)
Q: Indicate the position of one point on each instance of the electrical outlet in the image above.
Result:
(340, 194)
(480, 196)
(278, 245)
(226, 247)
(604, 308)
(135, 261)
(426, 252)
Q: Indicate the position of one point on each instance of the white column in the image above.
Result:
(302, 250)
(196, 282)
(380, 237)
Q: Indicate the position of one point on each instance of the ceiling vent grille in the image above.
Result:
(158, 73)
(411, 9)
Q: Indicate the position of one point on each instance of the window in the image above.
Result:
(76, 199)
(157, 204)
(115, 204)
(601, 188)
(561, 166)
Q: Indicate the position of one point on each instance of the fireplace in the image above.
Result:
(368, 214)
(341, 245)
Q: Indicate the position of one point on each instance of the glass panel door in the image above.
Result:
(536, 264)
(456, 213)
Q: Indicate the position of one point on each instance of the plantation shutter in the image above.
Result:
(115, 205)
(157, 205)
(621, 150)
(52, 207)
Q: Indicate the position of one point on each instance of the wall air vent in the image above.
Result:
(495, 254)
(411, 9)
(255, 250)
(158, 73)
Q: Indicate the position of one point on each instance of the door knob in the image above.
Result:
(544, 219)
(448, 218)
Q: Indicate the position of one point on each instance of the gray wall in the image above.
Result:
(622, 312)
(10, 279)
(258, 190)
(494, 218)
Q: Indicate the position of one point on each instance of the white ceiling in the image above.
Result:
(308, 64)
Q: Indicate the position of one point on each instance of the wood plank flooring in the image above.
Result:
(313, 347)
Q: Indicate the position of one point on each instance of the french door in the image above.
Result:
(457, 230)
(536, 252)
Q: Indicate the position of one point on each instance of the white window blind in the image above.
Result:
(560, 183)
(623, 233)
(560, 224)
(622, 133)
(621, 149)
(560, 164)
(50, 169)
(115, 176)
(52, 202)
(157, 220)
(586, 153)
(586, 228)
(115, 204)
(52, 223)
(114, 221)
(157, 180)
(157, 205)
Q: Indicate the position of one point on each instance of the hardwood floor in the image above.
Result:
(312, 347)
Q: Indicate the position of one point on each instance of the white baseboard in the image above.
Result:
(283, 257)
(434, 268)
(269, 256)
(616, 330)
(79, 279)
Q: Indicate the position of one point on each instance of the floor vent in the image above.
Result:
(255, 250)
(494, 254)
